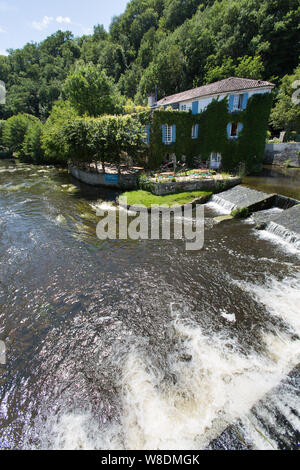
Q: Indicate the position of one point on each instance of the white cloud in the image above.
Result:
(2, 52)
(2, 30)
(40, 26)
(61, 19)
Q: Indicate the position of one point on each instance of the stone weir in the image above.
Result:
(287, 225)
(241, 196)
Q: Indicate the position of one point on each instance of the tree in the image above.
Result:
(106, 139)
(32, 150)
(53, 139)
(246, 67)
(15, 129)
(92, 92)
(286, 112)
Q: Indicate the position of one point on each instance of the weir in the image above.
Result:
(241, 196)
(287, 225)
(277, 214)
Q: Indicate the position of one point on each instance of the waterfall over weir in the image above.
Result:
(241, 196)
(285, 234)
(287, 226)
(221, 205)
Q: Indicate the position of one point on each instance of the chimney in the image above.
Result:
(152, 100)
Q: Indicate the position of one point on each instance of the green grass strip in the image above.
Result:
(136, 198)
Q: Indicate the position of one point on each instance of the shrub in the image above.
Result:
(15, 129)
(242, 213)
(32, 151)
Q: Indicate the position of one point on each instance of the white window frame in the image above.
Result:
(169, 134)
(215, 157)
(238, 102)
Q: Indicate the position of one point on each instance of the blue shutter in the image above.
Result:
(229, 129)
(163, 127)
(240, 127)
(195, 106)
(148, 134)
(245, 100)
(231, 100)
(174, 133)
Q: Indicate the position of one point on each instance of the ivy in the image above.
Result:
(247, 149)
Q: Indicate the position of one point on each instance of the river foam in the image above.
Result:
(216, 386)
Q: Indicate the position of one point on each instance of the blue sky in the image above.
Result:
(23, 21)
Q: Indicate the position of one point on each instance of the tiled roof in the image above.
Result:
(228, 85)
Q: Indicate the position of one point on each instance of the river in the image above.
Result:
(141, 344)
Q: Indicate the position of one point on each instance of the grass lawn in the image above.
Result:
(135, 198)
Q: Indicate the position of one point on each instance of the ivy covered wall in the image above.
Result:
(247, 148)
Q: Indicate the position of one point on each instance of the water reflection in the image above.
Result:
(285, 181)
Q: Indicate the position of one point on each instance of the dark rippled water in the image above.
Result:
(272, 179)
(140, 344)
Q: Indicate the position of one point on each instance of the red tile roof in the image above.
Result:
(223, 86)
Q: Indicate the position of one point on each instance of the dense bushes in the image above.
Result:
(32, 150)
(14, 131)
(68, 137)
(105, 139)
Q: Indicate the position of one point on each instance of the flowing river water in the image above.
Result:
(141, 344)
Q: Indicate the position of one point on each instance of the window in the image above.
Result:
(215, 161)
(238, 102)
(215, 158)
(168, 134)
(234, 129)
(186, 107)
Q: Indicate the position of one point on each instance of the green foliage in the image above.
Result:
(107, 138)
(32, 151)
(172, 44)
(144, 183)
(286, 114)
(242, 213)
(14, 131)
(53, 139)
(247, 67)
(92, 92)
(2, 123)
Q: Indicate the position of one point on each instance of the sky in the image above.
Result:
(23, 21)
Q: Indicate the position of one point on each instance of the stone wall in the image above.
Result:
(161, 189)
(98, 179)
(281, 153)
